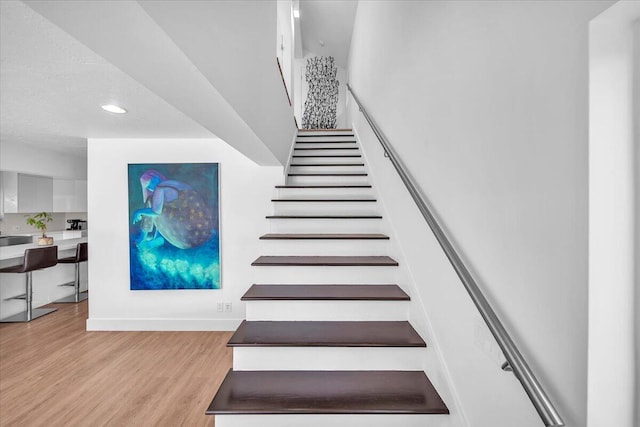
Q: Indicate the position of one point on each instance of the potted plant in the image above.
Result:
(39, 221)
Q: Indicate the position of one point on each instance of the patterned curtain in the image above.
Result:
(322, 98)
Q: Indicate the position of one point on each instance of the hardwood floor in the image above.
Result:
(54, 373)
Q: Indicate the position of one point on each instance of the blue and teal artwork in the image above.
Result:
(173, 226)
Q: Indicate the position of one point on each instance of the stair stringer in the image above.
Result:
(434, 364)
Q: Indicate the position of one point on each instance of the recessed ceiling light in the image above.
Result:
(114, 109)
(296, 13)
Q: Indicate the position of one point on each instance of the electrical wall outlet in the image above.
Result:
(220, 307)
(228, 307)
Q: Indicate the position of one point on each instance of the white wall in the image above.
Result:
(285, 42)
(245, 190)
(486, 103)
(613, 222)
(20, 157)
(636, 43)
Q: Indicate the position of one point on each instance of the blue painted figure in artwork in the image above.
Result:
(174, 212)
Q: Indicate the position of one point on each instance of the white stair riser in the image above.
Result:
(331, 152)
(325, 160)
(327, 180)
(324, 247)
(329, 358)
(303, 157)
(326, 275)
(326, 226)
(344, 208)
(334, 136)
(334, 420)
(327, 142)
(326, 169)
(327, 310)
(323, 192)
(339, 135)
(318, 149)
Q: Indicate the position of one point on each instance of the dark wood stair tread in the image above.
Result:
(324, 217)
(330, 155)
(325, 292)
(326, 148)
(337, 135)
(324, 186)
(326, 164)
(326, 142)
(328, 174)
(340, 135)
(324, 236)
(302, 132)
(326, 392)
(309, 199)
(330, 261)
(325, 334)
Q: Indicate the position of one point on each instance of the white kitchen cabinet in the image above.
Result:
(81, 193)
(35, 193)
(9, 191)
(23, 193)
(69, 195)
(63, 194)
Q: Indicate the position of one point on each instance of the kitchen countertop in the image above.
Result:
(17, 251)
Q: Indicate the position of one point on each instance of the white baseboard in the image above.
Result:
(94, 324)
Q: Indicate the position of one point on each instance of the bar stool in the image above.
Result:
(82, 254)
(34, 259)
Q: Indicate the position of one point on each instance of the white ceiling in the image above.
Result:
(59, 61)
(52, 87)
(329, 22)
(137, 40)
(231, 45)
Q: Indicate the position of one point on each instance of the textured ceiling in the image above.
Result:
(52, 87)
(329, 22)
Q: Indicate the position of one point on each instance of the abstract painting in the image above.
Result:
(322, 97)
(174, 228)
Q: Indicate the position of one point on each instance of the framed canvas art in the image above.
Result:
(174, 226)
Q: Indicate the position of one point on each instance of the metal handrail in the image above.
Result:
(515, 360)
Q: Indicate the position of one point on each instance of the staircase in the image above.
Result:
(326, 341)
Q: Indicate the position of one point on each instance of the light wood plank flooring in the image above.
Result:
(54, 373)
